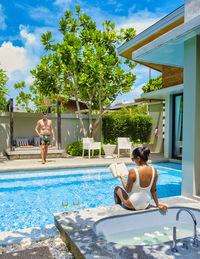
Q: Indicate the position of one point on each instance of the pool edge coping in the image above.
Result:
(68, 166)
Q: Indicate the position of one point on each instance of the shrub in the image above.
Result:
(140, 128)
(114, 126)
(136, 127)
(76, 149)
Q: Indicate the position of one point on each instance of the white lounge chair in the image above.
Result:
(89, 144)
(124, 143)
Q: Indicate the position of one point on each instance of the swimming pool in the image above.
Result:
(29, 198)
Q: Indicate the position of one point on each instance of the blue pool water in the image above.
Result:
(29, 198)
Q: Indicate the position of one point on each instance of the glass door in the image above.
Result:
(177, 135)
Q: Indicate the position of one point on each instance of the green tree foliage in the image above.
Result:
(85, 65)
(140, 109)
(3, 89)
(153, 85)
(34, 101)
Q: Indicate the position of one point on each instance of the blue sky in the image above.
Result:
(23, 21)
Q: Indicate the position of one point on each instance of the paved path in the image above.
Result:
(69, 162)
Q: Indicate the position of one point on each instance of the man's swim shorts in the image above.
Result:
(45, 140)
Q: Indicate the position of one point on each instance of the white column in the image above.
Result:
(191, 118)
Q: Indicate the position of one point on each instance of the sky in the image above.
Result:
(22, 22)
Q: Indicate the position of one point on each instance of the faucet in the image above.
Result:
(195, 240)
(174, 247)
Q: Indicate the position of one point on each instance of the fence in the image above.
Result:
(24, 126)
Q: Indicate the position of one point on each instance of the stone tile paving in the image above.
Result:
(30, 253)
(56, 246)
(13, 241)
(69, 162)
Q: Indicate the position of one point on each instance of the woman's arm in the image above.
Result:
(131, 179)
(154, 193)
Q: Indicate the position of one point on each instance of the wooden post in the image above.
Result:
(49, 109)
(59, 123)
(11, 125)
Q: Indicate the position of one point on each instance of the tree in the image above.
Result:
(3, 89)
(153, 85)
(140, 109)
(85, 65)
(34, 101)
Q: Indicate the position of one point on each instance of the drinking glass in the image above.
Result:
(65, 204)
(76, 203)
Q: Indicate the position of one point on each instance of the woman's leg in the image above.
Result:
(121, 196)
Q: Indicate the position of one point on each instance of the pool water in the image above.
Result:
(29, 198)
(152, 235)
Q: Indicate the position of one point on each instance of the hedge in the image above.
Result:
(137, 127)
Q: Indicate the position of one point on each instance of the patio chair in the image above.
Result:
(21, 142)
(36, 141)
(89, 144)
(124, 143)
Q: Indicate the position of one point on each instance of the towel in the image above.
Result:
(118, 170)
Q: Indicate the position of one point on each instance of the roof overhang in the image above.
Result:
(168, 49)
(164, 25)
(163, 93)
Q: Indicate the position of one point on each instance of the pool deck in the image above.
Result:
(68, 162)
(77, 232)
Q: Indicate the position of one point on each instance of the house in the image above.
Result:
(71, 106)
(172, 46)
(119, 105)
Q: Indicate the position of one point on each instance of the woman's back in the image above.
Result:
(145, 175)
(140, 193)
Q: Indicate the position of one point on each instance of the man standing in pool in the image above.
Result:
(46, 129)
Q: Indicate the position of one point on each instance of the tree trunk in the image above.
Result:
(81, 119)
(79, 110)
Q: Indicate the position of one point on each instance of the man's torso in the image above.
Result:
(45, 126)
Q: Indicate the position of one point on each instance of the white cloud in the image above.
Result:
(63, 3)
(18, 61)
(2, 19)
(139, 20)
(12, 58)
(43, 14)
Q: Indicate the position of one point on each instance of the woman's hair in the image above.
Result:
(142, 152)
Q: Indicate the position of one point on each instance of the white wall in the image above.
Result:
(24, 125)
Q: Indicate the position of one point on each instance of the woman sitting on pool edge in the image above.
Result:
(141, 181)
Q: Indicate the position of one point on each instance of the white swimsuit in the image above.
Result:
(140, 197)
